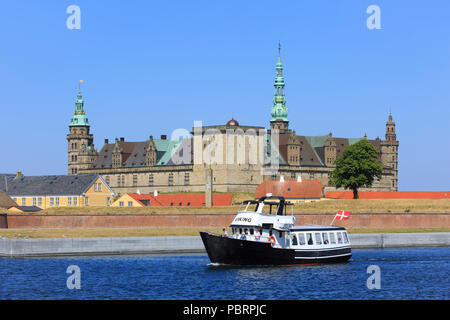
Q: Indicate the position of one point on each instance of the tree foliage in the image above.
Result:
(358, 166)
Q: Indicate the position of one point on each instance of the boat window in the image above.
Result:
(294, 240)
(270, 232)
(240, 230)
(309, 237)
(345, 237)
(339, 237)
(301, 239)
(280, 234)
(246, 231)
(332, 238)
(325, 238)
(318, 238)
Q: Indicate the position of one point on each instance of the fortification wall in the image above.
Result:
(357, 220)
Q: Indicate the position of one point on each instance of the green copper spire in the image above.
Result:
(79, 116)
(279, 110)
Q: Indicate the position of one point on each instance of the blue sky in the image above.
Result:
(150, 67)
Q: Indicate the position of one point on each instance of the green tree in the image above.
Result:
(358, 166)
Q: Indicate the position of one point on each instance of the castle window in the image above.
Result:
(186, 179)
(130, 203)
(121, 203)
(107, 179)
(99, 187)
(75, 199)
(34, 201)
(134, 180)
(170, 179)
(95, 187)
(57, 201)
(123, 180)
(86, 201)
(150, 179)
(52, 201)
(69, 201)
(24, 201)
(40, 201)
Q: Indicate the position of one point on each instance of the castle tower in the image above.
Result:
(279, 111)
(81, 151)
(389, 152)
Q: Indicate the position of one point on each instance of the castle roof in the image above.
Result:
(133, 153)
(312, 148)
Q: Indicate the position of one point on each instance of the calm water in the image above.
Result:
(416, 273)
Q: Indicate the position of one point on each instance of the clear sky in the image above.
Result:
(150, 67)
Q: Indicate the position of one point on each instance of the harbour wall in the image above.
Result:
(357, 220)
(187, 244)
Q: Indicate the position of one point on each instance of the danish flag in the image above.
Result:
(342, 215)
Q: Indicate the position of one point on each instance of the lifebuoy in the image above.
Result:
(272, 240)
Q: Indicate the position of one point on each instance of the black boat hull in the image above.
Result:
(229, 251)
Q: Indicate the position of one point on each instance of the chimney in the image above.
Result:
(122, 139)
(281, 179)
(155, 193)
(163, 137)
(299, 179)
(106, 141)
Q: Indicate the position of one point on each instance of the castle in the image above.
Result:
(227, 158)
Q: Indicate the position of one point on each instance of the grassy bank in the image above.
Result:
(157, 232)
(323, 206)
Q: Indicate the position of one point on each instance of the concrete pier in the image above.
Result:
(184, 244)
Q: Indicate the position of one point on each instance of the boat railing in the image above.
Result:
(266, 207)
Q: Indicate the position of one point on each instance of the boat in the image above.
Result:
(264, 233)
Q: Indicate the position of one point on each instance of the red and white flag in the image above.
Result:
(342, 215)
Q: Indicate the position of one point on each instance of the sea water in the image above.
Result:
(407, 273)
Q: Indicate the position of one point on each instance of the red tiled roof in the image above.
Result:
(181, 199)
(388, 195)
(290, 189)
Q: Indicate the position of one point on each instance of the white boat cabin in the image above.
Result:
(261, 220)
